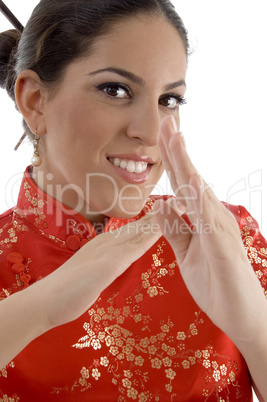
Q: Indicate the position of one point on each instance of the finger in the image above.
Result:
(137, 237)
(211, 215)
(193, 191)
(174, 228)
(177, 206)
(181, 165)
(166, 159)
(184, 170)
(112, 253)
(167, 165)
(163, 143)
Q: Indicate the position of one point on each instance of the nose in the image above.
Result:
(144, 124)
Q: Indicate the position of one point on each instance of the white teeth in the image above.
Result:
(139, 167)
(116, 162)
(123, 164)
(144, 167)
(129, 165)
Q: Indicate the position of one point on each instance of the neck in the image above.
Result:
(68, 195)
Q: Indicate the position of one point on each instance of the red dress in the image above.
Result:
(144, 339)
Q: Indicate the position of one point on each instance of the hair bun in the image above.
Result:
(8, 46)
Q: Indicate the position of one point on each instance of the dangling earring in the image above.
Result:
(36, 159)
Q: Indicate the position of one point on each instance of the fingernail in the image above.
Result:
(174, 124)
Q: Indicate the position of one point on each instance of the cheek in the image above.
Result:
(90, 123)
(78, 122)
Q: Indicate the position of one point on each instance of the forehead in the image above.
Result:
(148, 46)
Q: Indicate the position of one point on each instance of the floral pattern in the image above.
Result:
(144, 339)
(133, 360)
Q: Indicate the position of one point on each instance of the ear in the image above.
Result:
(31, 97)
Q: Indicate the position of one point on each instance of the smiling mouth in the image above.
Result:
(130, 165)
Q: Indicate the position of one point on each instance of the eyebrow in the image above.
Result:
(135, 78)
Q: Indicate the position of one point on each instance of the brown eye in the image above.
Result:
(172, 101)
(115, 90)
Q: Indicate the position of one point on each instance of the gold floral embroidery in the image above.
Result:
(4, 293)
(11, 238)
(6, 398)
(35, 208)
(166, 351)
(4, 371)
(161, 349)
(150, 278)
(256, 255)
(4, 374)
(149, 205)
(130, 358)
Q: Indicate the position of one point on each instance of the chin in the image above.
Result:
(126, 211)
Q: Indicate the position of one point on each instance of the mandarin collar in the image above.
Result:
(56, 220)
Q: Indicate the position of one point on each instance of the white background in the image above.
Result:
(224, 122)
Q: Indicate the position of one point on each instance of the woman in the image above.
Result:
(93, 305)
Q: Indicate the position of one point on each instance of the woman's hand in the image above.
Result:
(212, 258)
(70, 290)
(210, 255)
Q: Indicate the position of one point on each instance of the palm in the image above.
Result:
(210, 254)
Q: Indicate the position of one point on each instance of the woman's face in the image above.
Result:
(100, 147)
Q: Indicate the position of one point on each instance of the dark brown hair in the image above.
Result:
(61, 31)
